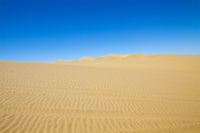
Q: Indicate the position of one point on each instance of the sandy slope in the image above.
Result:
(114, 93)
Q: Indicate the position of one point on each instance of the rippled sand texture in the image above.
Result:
(134, 93)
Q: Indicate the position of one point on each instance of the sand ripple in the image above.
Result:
(79, 98)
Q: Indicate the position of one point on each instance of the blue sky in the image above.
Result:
(59, 29)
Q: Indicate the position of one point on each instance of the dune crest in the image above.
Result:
(87, 58)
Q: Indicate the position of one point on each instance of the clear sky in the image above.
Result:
(42, 30)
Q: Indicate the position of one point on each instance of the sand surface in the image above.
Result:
(133, 93)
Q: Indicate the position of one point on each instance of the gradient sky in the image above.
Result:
(41, 30)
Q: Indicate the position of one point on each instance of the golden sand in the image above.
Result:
(133, 93)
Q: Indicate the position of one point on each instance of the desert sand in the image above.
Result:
(132, 93)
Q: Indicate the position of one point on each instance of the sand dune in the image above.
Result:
(132, 93)
(129, 56)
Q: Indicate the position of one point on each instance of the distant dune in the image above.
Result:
(138, 60)
(131, 56)
(131, 93)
